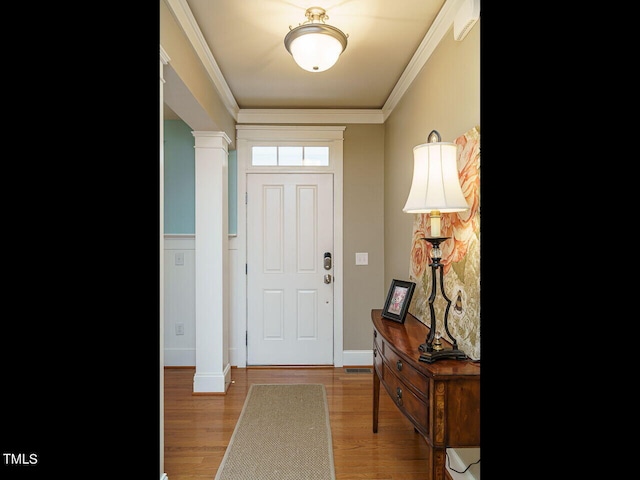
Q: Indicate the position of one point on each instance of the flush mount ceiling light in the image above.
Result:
(314, 45)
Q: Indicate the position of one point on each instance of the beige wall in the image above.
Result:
(363, 218)
(445, 96)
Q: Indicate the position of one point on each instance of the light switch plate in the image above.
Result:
(362, 258)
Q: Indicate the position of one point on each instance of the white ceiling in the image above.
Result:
(389, 41)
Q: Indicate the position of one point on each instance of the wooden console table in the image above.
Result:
(441, 399)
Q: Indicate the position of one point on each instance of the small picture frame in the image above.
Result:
(398, 300)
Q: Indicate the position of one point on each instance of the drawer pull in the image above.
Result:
(375, 334)
(399, 365)
(399, 396)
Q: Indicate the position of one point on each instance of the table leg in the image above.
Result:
(437, 460)
(376, 400)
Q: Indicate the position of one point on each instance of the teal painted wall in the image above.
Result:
(180, 181)
(179, 178)
(233, 192)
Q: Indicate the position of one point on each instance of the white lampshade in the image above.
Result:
(315, 46)
(435, 186)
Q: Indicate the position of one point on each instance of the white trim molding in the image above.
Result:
(358, 358)
(301, 116)
(436, 33)
(459, 465)
(186, 20)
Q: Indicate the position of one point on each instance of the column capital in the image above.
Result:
(207, 139)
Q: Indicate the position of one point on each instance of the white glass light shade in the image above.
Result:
(435, 184)
(315, 47)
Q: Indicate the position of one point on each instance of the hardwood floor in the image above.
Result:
(197, 428)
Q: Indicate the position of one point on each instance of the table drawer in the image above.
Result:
(415, 379)
(407, 401)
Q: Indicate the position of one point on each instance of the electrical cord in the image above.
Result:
(454, 470)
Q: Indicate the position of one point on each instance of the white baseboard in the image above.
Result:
(458, 464)
(164, 477)
(212, 382)
(186, 357)
(179, 357)
(356, 358)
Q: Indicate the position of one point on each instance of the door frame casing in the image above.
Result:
(248, 136)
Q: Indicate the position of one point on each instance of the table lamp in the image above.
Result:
(435, 189)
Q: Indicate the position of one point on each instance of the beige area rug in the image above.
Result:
(283, 433)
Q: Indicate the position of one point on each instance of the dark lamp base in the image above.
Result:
(434, 356)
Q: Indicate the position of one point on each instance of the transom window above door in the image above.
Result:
(289, 156)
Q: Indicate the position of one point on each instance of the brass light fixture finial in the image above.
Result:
(315, 45)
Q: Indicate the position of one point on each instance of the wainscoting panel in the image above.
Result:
(179, 301)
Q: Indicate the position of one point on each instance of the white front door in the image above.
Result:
(289, 290)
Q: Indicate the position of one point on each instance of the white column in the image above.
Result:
(213, 370)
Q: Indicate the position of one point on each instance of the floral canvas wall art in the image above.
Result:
(460, 257)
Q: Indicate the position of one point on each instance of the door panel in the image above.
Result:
(289, 305)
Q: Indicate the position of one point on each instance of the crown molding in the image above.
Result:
(315, 116)
(290, 132)
(164, 57)
(183, 15)
(436, 33)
